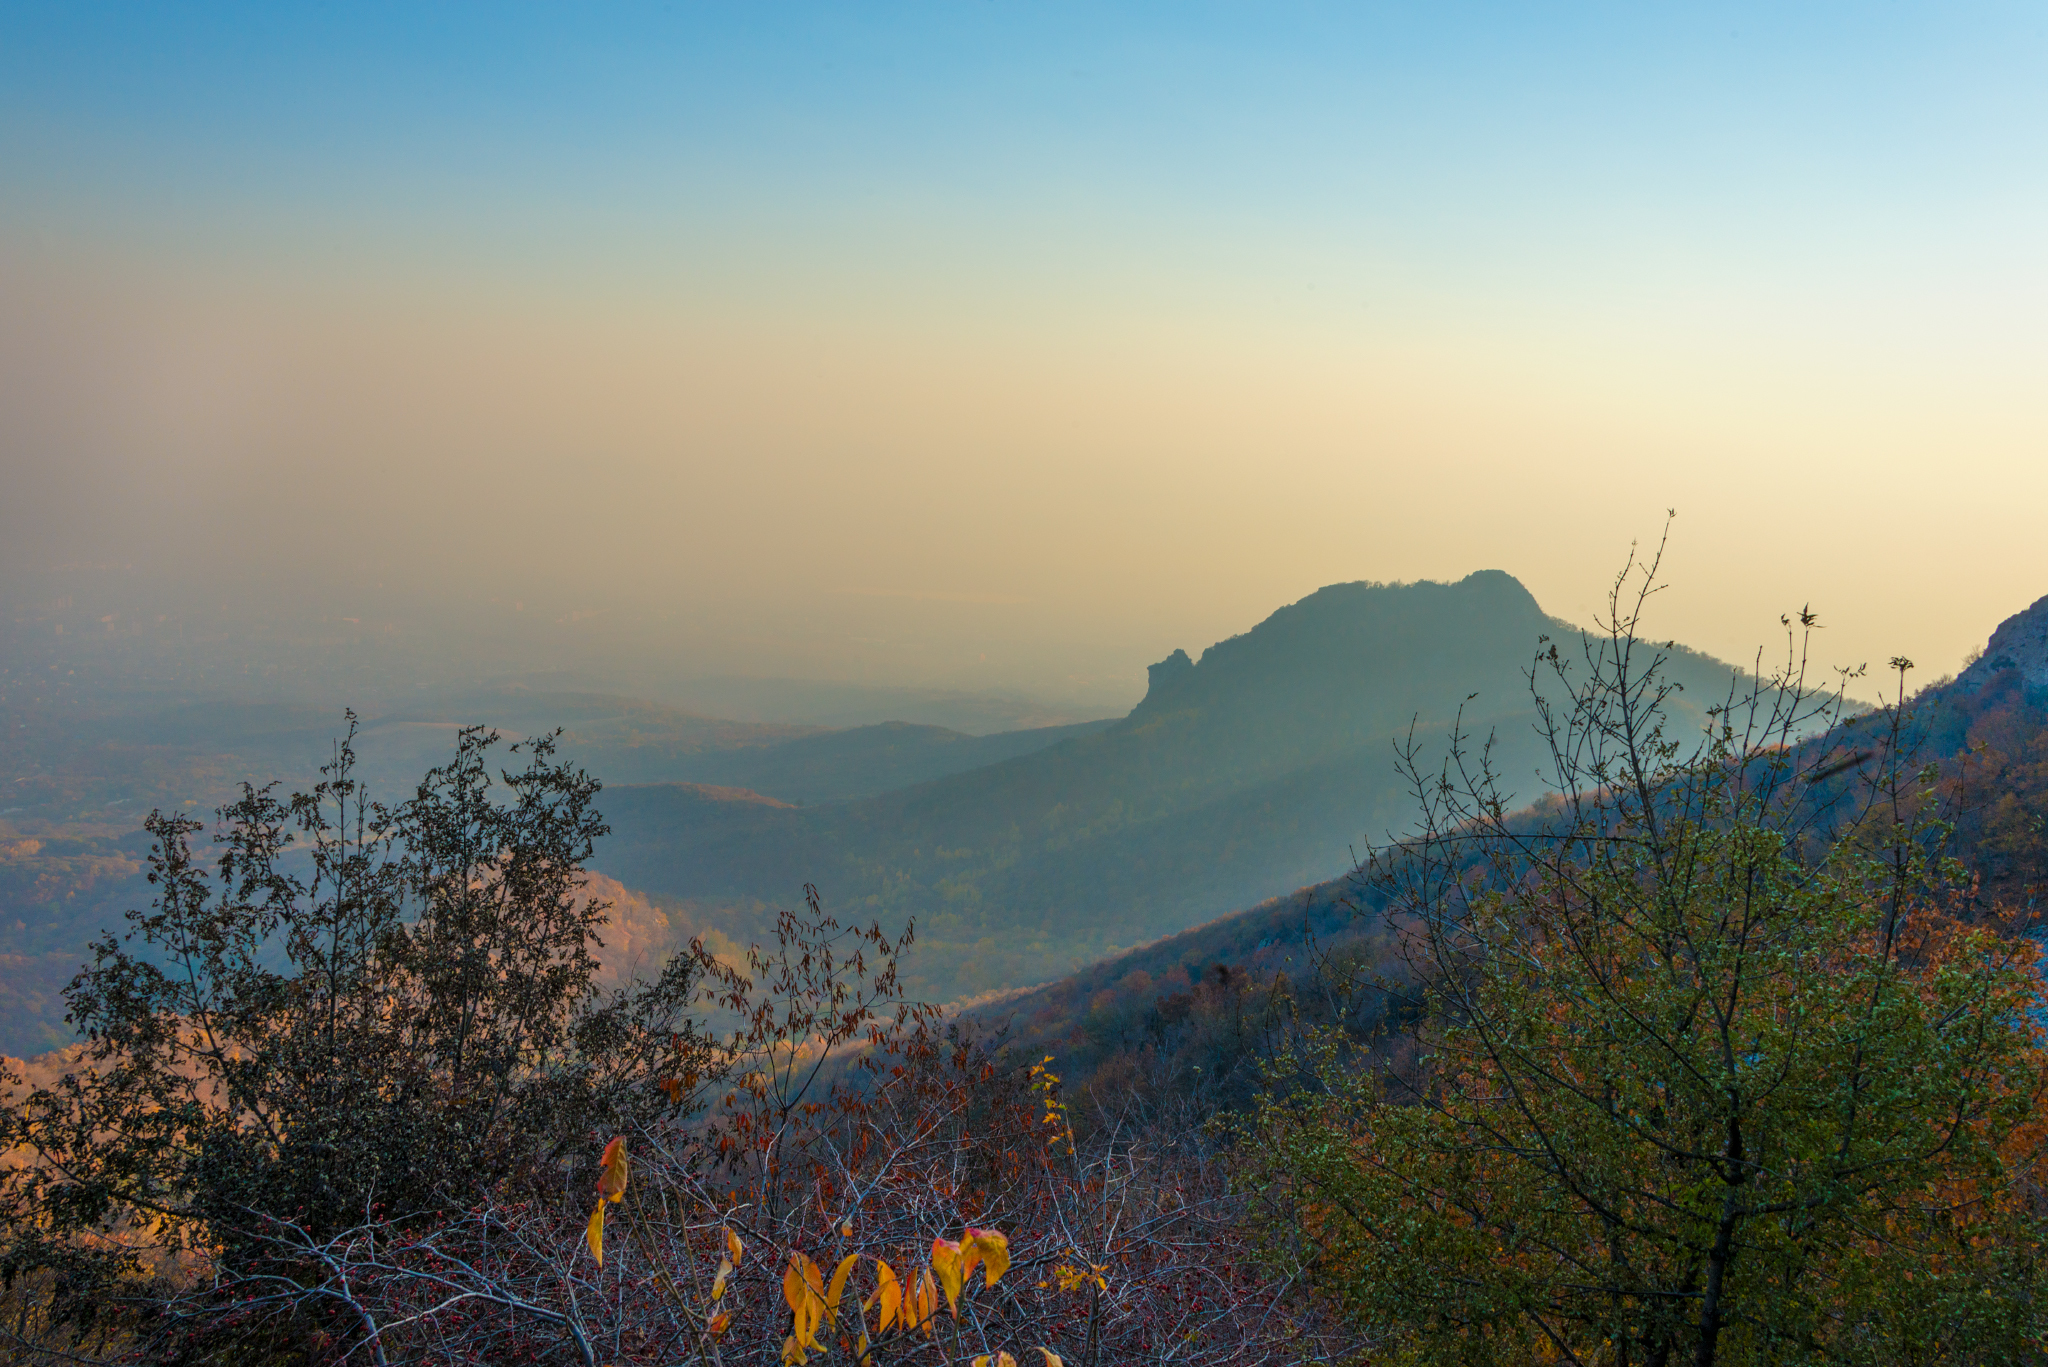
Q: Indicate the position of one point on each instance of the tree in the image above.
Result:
(1711, 1070)
(850, 1142)
(350, 1013)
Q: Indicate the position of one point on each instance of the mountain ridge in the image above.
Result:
(1987, 729)
(1258, 766)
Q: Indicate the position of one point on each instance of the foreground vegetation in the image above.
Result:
(1721, 1058)
(1704, 1070)
(348, 1084)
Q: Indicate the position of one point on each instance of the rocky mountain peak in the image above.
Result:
(2021, 642)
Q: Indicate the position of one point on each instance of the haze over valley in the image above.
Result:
(1021, 844)
(1205, 685)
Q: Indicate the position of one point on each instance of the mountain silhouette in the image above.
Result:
(1249, 771)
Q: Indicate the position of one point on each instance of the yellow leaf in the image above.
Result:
(718, 1282)
(593, 1234)
(987, 1246)
(611, 1177)
(803, 1288)
(802, 1283)
(839, 1275)
(889, 1293)
(732, 1246)
(946, 1265)
(793, 1283)
(793, 1352)
(1052, 1359)
(924, 1305)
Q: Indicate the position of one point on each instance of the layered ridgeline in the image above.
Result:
(1251, 771)
(78, 775)
(619, 739)
(1197, 1011)
(1034, 850)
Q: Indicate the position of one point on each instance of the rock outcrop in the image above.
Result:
(2021, 642)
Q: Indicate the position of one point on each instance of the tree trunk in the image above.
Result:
(1717, 1265)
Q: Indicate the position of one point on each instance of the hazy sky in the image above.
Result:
(1003, 343)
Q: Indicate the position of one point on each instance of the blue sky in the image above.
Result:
(1597, 260)
(1415, 120)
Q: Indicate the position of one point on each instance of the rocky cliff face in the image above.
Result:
(2021, 642)
(1163, 678)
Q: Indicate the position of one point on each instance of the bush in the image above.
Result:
(349, 1013)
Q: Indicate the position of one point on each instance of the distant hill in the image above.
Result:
(75, 783)
(622, 740)
(820, 702)
(866, 760)
(1253, 769)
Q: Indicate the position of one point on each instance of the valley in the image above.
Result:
(1020, 855)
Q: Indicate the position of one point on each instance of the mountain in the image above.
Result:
(1256, 768)
(1192, 1011)
(2018, 647)
(1020, 854)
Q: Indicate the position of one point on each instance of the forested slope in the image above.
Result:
(1196, 1010)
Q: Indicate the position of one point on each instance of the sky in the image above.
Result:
(997, 345)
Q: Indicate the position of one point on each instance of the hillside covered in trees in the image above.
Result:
(379, 1096)
(1194, 1013)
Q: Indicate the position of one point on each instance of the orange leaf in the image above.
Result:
(611, 1177)
(732, 1247)
(924, 1305)
(718, 1324)
(593, 1234)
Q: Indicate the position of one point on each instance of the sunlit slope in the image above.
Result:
(1250, 772)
